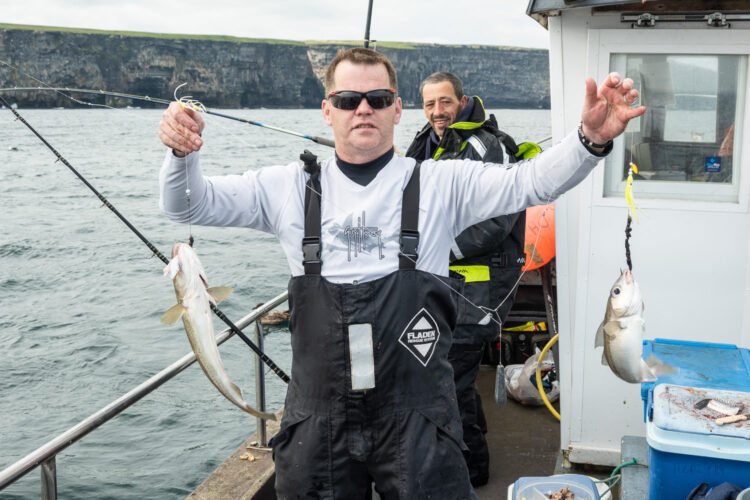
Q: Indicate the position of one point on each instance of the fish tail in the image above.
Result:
(659, 367)
(252, 411)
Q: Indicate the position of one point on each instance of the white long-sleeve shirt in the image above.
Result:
(361, 224)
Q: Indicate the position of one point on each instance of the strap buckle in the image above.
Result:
(499, 260)
(311, 250)
(409, 243)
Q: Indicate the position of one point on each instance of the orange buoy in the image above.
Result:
(539, 243)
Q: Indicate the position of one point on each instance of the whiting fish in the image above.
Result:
(194, 300)
(621, 335)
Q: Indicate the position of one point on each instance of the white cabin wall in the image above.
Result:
(566, 74)
(563, 239)
(568, 71)
(691, 259)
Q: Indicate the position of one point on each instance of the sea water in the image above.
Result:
(81, 295)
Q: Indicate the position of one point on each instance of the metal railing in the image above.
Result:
(44, 456)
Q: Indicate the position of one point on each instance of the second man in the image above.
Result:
(489, 255)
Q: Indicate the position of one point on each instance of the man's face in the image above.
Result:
(364, 133)
(441, 106)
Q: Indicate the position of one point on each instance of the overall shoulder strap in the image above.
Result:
(409, 237)
(311, 243)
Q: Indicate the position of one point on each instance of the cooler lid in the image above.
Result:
(719, 366)
(701, 411)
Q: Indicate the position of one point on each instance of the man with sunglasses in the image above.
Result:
(489, 255)
(366, 234)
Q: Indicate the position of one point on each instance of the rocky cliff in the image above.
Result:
(225, 72)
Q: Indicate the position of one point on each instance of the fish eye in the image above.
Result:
(616, 291)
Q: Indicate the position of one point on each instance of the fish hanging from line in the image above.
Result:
(621, 334)
(194, 300)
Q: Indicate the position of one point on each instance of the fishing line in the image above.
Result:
(632, 168)
(491, 312)
(440, 278)
(185, 102)
(188, 102)
(187, 198)
(61, 90)
(548, 138)
(278, 371)
(628, 230)
(628, 195)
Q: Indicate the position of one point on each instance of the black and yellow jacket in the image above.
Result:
(490, 254)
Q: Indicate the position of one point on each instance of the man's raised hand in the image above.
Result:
(180, 129)
(607, 110)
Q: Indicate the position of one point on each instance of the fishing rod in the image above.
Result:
(278, 371)
(367, 26)
(319, 140)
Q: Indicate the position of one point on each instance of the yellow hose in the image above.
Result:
(539, 376)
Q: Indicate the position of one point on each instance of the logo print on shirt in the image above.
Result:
(356, 237)
(420, 337)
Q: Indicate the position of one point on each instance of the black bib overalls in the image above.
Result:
(371, 396)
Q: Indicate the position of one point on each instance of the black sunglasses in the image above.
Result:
(350, 99)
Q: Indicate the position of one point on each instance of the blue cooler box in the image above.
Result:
(686, 446)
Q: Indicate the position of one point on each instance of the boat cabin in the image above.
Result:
(690, 247)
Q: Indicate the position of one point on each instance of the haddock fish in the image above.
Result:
(194, 300)
(621, 335)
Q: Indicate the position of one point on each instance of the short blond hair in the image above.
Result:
(360, 55)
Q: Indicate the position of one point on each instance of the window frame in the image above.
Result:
(609, 189)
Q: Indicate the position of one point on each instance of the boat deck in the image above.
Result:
(523, 440)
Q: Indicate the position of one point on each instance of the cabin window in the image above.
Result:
(684, 146)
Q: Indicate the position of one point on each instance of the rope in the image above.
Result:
(539, 386)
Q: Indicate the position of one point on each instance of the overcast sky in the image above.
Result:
(488, 22)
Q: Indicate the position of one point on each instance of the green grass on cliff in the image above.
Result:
(358, 43)
(410, 45)
(85, 31)
(234, 39)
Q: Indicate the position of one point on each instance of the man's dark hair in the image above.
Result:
(360, 55)
(444, 76)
